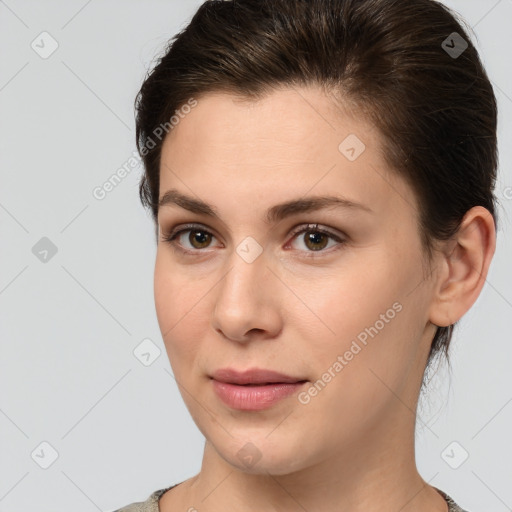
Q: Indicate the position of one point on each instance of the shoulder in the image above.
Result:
(150, 505)
(452, 506)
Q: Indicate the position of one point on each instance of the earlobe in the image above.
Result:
(465, 263)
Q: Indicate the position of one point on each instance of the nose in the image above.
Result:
(247, 303)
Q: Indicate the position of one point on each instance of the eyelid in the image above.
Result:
(314, 227)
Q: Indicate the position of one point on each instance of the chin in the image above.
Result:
(262, 454)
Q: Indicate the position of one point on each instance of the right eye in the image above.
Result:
(198, 238)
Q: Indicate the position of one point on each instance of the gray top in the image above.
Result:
(151, 504)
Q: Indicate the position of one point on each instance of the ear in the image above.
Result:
(463, 266)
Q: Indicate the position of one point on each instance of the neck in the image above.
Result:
(377, 471)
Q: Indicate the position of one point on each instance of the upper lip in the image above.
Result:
(252, 376)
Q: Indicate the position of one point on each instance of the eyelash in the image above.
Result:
(313, 228)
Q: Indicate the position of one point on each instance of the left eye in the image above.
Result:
(314, 239)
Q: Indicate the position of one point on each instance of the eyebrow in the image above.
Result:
(273, 215)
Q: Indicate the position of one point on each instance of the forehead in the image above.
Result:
(288, 143)
(286, 116)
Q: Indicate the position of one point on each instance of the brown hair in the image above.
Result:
(397, 61)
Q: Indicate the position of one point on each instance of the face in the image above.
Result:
(331, 293)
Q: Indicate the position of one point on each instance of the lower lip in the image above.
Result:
(254, 398)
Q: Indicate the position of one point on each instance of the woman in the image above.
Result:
(321, 178)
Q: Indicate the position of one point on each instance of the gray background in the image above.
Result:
(70, 325)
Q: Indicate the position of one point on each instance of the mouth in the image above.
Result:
(267, 383)
(254, 377)
(255, 389)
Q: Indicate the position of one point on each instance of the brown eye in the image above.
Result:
(315, 240)
(190, 239)
(199, 239)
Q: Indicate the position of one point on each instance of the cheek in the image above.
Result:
(369, 318)
(181, 308)
(344, 303)
(357, 381)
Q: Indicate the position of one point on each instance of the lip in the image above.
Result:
(253, 376)
(254, 389)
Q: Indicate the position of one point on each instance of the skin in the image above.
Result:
(351, 448)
